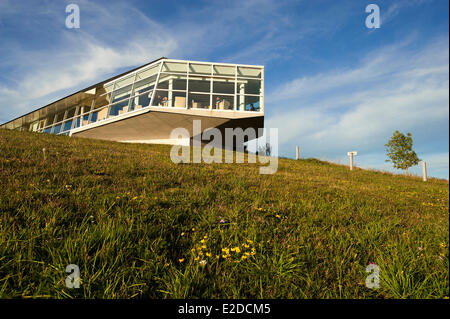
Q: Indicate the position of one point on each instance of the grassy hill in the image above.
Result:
(140, 226)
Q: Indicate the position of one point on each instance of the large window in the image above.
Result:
(168, 83)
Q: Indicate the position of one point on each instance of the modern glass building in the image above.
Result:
(147, 103)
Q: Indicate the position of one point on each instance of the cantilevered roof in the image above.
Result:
(77, 96)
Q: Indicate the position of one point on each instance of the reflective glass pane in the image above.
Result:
(67, 125)
(248, 103)
(59, 117)
(124, 82)
(118, 108)
(57, 129)
(144, 85)
(94, 117)
(85, 109)
(199, 101)
(200, 68)
(175, 67)
(248, 87)
(172, 82)
(50, 119)
(163, 82)
(224, 70)
(147, 72)
(177, 99)
(141, 101)
(223, 86)
(71, 113)
(223, 102)
(249, 72)
(138, 102)
(77, 122)
(199, 84)
(104, 94)
(161, 98)
(85, 119)
(122, 89)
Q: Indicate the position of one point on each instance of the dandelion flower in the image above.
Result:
(181, 260)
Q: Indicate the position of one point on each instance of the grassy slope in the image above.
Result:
(126, 215)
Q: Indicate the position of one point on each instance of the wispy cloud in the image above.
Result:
(358, 108)
(103, 45)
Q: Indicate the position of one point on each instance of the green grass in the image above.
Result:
(126, 215)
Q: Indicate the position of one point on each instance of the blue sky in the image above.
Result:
(332, 85)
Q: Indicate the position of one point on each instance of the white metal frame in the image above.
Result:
(212, 76)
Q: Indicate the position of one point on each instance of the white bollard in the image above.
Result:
(424, 171)
(351, 154)
(298, 153)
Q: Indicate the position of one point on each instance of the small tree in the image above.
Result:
(400, 152)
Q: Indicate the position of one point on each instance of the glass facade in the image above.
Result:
(163, 84)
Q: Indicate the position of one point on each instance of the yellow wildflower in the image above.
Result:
(181, 260)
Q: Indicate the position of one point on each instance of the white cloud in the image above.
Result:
(103, 44)
(359, 108)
